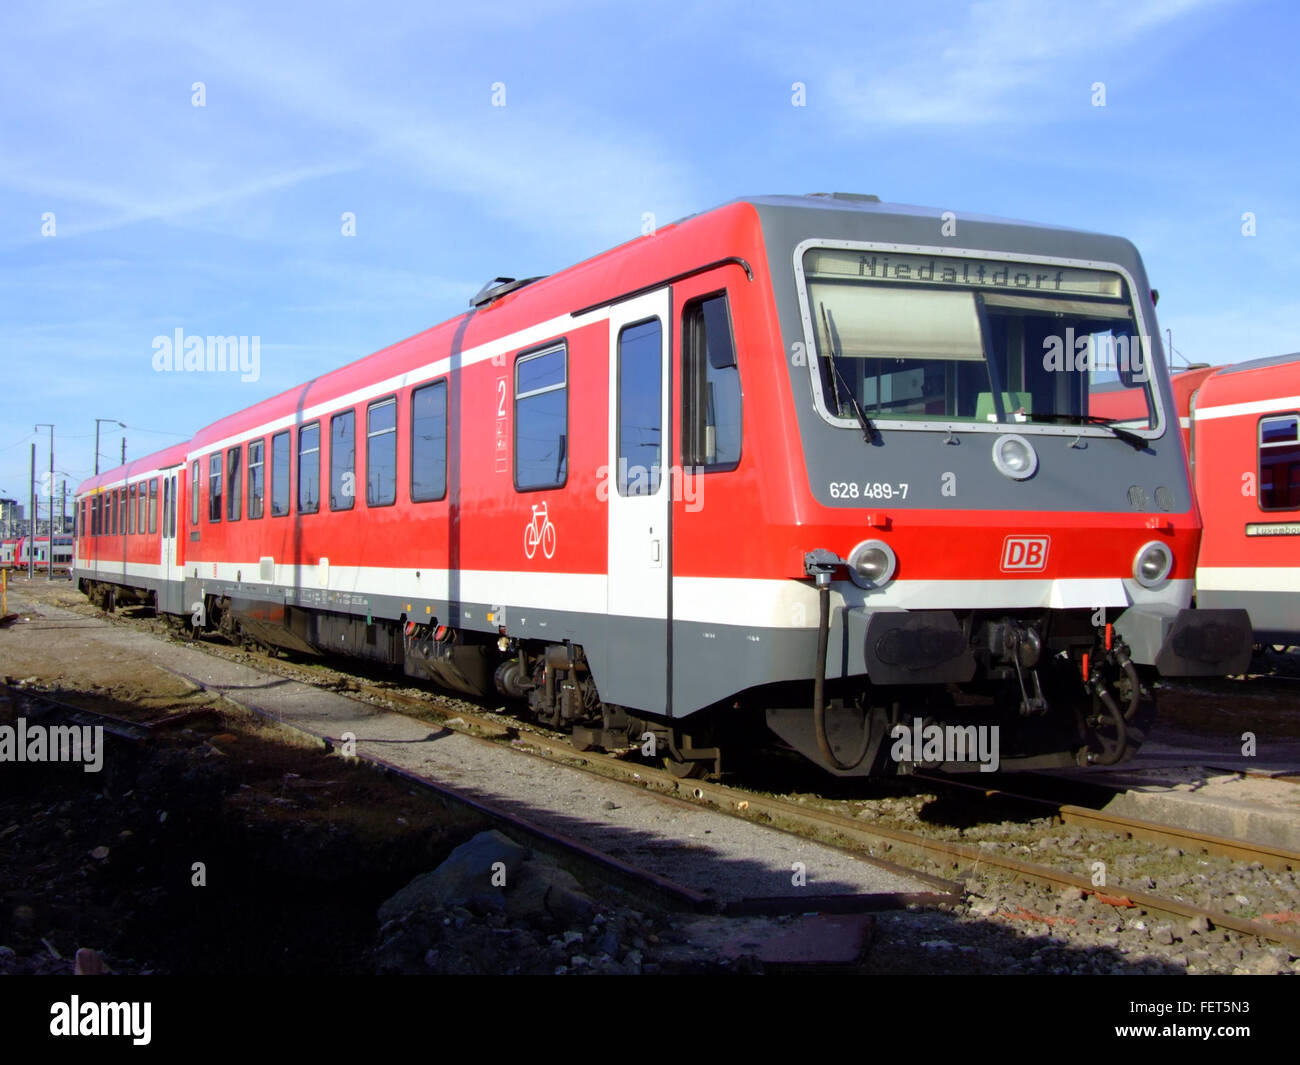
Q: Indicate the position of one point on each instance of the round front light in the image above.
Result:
(1152, 565)
(872, 564)
(1014, 456)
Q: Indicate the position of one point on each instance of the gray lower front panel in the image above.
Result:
(1275, 616)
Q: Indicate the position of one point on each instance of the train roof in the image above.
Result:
(853, 201)
(1253, 386)
(1260, 364)
(174, 455)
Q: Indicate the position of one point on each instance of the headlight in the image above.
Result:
(872, 564)
(1152, 565)
(1014, 456)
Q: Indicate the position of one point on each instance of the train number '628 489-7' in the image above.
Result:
(868, 490)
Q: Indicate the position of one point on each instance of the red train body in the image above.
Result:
(1245, 447)
(645, 493)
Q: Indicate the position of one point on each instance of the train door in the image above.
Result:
(638, 667)
(170, 574)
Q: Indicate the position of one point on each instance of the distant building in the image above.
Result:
(11, 516)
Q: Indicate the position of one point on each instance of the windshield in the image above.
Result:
(927, 338)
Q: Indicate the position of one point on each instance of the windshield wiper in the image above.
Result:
(1130, 438)
(868, 432)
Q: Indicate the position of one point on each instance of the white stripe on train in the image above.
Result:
(1256, 406)
(711, 600)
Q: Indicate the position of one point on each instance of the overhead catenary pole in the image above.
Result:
(31, 520)
(49, 513)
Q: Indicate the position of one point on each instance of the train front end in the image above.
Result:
(998, 520)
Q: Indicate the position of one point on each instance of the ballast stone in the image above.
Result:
(534, 889)
(466, 874)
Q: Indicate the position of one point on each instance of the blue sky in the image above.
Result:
(226, 219)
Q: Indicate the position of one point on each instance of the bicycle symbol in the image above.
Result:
(539, 531)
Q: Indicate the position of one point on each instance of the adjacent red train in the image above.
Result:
(817, 463)
(1244, 423)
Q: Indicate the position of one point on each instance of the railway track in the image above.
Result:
(882, 842)
(879, 842)
(1187, 839)
(894, 847)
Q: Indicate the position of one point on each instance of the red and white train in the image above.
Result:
(17, 553)
(808, 462)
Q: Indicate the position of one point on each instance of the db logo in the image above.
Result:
(1020, 553)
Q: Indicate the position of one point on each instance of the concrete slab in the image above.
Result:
(1253, 809)
(810, 939)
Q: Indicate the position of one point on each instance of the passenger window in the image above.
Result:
(640, 414)
(141, 507)
(381, 453)
(429, 442)
(194, 494)
(343, 461)
(1279, 462)
(214, 487)
(255, 474)
(541, 419)
(234, 483)
(130, 510)
(309, 468)
(280, 474)
(711, 396)
(153, 503)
